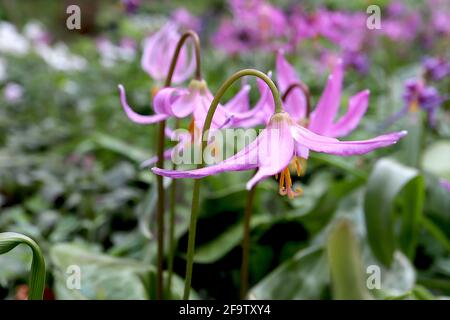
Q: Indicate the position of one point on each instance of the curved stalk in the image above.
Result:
(8, 241)
(160, 152)
(206, 127)
(304, 88)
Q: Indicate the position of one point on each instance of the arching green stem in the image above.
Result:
(304, 88)
(206, 127)
(8, 241)
(160, 153)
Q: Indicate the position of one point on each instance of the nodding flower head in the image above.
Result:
(281, 142)
(158, 51)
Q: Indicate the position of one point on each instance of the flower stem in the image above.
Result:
(160, 152)
(8, 241)
(173, 194)
(304, 88)
(246, 242)
(206, 126)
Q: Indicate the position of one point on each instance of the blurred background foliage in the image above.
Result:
(70, 176)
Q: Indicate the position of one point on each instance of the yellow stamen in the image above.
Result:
(285, 185)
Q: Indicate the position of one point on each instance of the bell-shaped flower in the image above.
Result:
(276, 146)
(158, 51)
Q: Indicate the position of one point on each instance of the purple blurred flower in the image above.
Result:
(440, 12)
(186, 20)
(255, 24)
(436, 68)
(13, 92)
(131, 6)
(276, 146)
(445, 184)
(418, 96)
(401, 23)
(158, 51)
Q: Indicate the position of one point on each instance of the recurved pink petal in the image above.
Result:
(322, 117)
(356, 109)
(286, 74)
(295, 103)
(135, 117)
(330, 145)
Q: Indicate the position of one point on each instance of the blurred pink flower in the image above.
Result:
(13, 92)
(158, 52)
(186, 20)
(255, 24)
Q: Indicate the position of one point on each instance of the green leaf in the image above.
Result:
(103, 276)
(305, 276)
(436, 159)
(345, 262)
(385, 185)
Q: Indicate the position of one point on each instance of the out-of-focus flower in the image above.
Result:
(186, 20)
(36, 32)
(445, 184)
(158, 52)
(13, 92)
(255, 24)
(276, 146)
(131, 6)
(11, 41)
(110, 53)
(401, 23)
(419, 96)
(436, 68)
(60, 58)
(440, 11)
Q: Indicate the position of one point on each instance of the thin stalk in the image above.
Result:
(246, 242)
(173, 194)
(304, 88)
(206, 127)
(160, 152)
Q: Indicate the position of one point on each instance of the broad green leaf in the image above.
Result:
(385, 185)
(102, 276)
(345, 262)
(436, 159)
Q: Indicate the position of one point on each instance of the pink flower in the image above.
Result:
(276, 146)
(158, 52)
